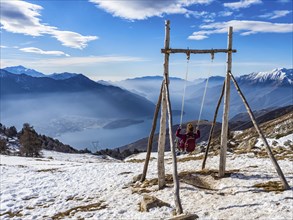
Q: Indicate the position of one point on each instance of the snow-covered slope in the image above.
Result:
(279, 76)
(81, 186)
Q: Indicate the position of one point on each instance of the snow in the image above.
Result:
(39, 188)
(278, 74)
(280, 142)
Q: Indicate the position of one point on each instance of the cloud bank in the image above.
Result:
(242, 4)
(140, 10)
(243, 26)
(24, 18)
(276, 14)
(40, 51)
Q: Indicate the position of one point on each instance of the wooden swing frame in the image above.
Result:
(165, 104)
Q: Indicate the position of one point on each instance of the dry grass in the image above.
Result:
(135, 161)
(138, 160)
(271, 186)
(194, 178)
(124, 173)
(241, 151)
(44, 160)
(140, 190)
(279, 154)
(86, 208)
(12, 214)
(189, 158)
(48, 170)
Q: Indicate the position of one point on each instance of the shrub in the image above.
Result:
(3, 146)
(11, 132)
(30, 143)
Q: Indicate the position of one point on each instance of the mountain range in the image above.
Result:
(44, 100)
(31, 72)
(49, 102)
(261, 89)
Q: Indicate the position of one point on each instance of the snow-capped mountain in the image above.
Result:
(62, 76)
(277, 77)
(23, 70)
(31, 72)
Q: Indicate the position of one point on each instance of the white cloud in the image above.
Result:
(72, 39)
(8, 47)
(284, 1)
(244, 27)
(72, 61)
(139, 10)
(225, 13)
(242, 4)
(276, 14)
(39, 51)
(24, 18)
(77, 61)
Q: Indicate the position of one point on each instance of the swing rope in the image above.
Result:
(184, 89)
(205, 91)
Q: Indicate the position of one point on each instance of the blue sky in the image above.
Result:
(113, 40)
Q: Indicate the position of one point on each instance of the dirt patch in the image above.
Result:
(86, 208)
(271, 186)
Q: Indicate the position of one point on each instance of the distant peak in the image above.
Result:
(23, 70)
(277, 76)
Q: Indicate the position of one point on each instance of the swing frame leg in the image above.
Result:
(213, 126)
(261, 135)
(151, 137)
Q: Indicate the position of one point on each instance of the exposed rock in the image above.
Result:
(251, 143)
(243, 145)
(149, 202)
(136, 178)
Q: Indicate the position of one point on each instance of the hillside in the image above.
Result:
(83, 186)
(234, 125)
(12, 140)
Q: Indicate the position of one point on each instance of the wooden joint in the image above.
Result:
(188, 55)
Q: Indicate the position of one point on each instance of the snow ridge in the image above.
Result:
(278, 76)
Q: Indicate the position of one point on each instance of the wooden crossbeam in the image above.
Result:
(190, 51)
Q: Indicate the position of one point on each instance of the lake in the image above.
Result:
(109, 138)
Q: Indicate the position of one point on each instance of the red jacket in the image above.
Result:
(183, 137)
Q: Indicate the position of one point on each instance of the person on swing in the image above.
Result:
(188, 140)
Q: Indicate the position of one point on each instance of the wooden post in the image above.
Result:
(224, 134)
(162, 141)
(179, 209)
(162, 134)
(166, 97)
(213, 126)
(269, 151)
(151, 137)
